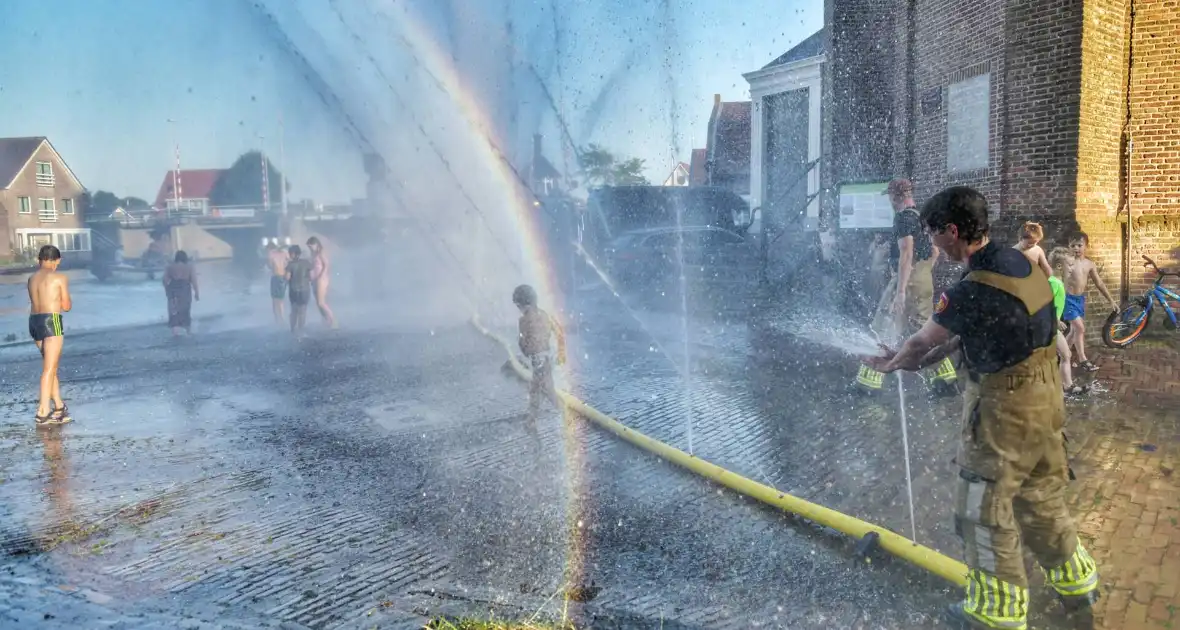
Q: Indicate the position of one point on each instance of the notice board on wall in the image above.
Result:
(865, 206)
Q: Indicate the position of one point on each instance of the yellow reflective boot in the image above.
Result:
(869, 379)
(992, 603)
(1076, 580)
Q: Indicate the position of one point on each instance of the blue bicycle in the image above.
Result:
(1124, 327)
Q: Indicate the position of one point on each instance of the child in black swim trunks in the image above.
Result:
(49, 297)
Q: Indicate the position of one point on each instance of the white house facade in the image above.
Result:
(785, 135)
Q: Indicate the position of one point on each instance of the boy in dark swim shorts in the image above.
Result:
(276, 259)
(278, 287)
(49, 297)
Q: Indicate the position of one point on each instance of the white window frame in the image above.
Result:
(47, 215)
(57, 237)
(968, 118)
(67, 206)
(25, 205)
(45, 179)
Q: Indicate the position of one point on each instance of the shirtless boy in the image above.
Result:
(276, 259)
(49, 297)
(1077, 272)
(1031, 235)
(536, 327)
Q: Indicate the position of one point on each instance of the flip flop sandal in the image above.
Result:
(45, 420)
(61, 416)
(1087, 366)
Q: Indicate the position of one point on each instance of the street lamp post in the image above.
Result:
(265, 175)
(282, 167)
(176, 192)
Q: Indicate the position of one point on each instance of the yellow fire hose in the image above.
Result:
(900, 546)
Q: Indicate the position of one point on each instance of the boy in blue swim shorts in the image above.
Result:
(1078, 271)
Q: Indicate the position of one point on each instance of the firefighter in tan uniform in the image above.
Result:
(909, 297)
(1013, 468)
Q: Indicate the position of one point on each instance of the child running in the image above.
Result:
(1078, 271)
(1031, 235)
(536, 327)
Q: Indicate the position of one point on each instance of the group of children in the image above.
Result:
(1069, 272)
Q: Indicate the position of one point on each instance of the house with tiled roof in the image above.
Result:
(727, 148)
(41, 201)
(678, 176)
(187, 191)
(785, 135)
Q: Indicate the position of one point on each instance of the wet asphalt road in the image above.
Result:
(361, 478)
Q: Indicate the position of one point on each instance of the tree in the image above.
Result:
(102, 203)
(629, 173)
(601, 168)
(241, 184)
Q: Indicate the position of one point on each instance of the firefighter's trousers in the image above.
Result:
(1012, 482)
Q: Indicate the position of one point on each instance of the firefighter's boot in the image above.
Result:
(991, 604)
(944, 381)
(1076, 581)
(869, 380)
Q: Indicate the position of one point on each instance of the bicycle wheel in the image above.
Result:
(1123, 327)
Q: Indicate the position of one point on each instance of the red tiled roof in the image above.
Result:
(696, 169)
(194, 184)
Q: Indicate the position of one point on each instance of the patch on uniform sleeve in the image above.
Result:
(942, 303)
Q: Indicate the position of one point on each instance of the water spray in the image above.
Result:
(682, 371)
(905, 444)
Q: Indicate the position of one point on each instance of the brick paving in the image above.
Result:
(1126, 449)
(1146, 373)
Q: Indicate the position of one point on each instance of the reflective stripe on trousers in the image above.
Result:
(994, 602)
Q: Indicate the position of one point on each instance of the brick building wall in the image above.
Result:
(955, 40)
(1129, 137)
(856, 136)
(1039, 125)
(859, 79)
(1102, 116)
(1154, 165)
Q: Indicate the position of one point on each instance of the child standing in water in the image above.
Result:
(1077, 273)
(536, 327)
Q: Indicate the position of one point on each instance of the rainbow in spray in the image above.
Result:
(523, 210)
(513, 191)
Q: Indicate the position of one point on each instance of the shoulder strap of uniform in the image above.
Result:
(1033, 290)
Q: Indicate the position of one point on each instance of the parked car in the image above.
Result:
(651, 257)
(614, 211)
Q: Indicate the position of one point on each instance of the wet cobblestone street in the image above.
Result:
(374, 478)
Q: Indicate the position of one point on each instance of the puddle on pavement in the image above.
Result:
(119, 462)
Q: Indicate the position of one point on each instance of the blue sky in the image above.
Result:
(101, 79)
